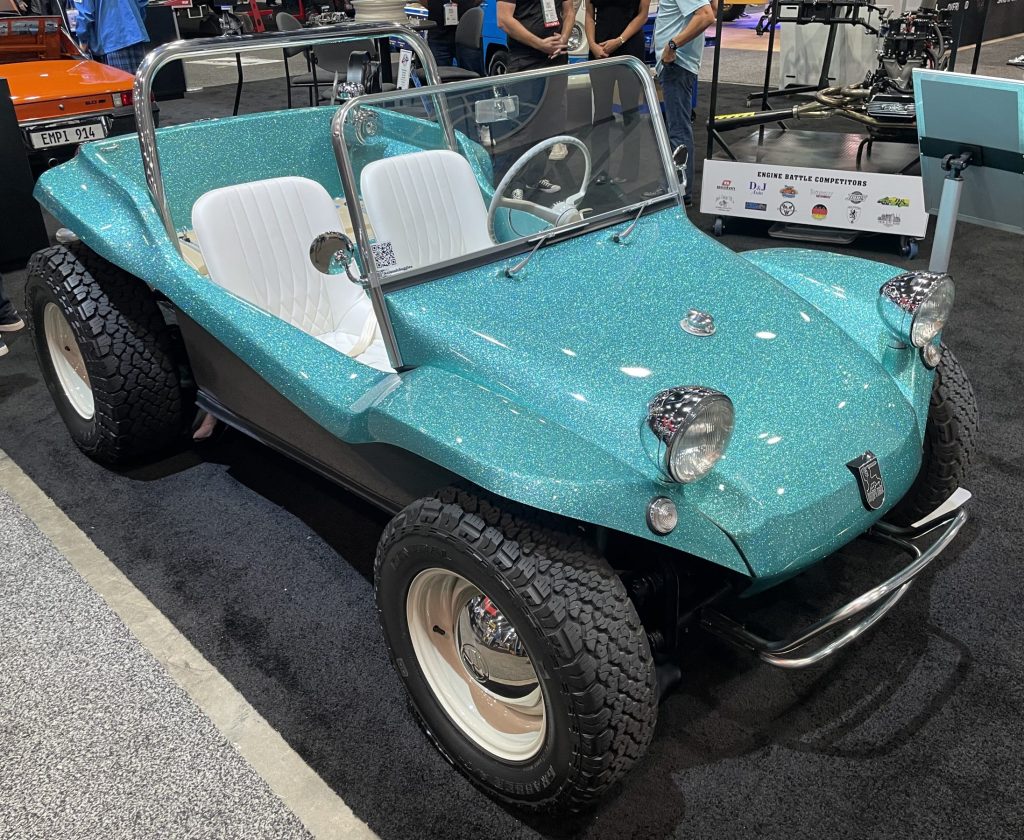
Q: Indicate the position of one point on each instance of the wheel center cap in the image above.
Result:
(474, 662)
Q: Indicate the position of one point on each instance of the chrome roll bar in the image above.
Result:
(230, 45)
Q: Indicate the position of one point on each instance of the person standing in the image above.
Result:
(678, 43)
(538, 36)
(446, 14)
(615, 27)
(10, 321)
(113, 31)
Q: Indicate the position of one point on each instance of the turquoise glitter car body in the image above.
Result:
(597, 428)
(535, 387)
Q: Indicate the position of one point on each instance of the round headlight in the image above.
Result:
(916, 306)
(695, 424)
(575, 38)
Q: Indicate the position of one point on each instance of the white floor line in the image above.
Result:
(321, 810)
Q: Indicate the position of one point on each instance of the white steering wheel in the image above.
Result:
(561, 212)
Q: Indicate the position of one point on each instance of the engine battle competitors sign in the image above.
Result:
(864, 201)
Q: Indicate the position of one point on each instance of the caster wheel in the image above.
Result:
(719, 227)
(908, 248)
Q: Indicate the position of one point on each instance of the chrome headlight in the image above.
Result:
(575, 38)
(694, 423)
(916, 306)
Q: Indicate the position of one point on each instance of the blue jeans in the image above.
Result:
(443, 48)
(677, 89)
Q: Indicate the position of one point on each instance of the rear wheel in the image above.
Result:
(106, 354)
(498, 64)
(520, 649)
(950, 438)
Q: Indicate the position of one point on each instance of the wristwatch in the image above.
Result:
(672, 45)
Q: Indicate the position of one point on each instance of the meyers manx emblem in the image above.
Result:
(869, 479)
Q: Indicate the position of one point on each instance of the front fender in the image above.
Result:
(845, 290)
(506, 448)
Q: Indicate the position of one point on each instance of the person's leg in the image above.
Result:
(602, 85)
(6, 307)
(677, 88)
(443, 49)
(548, 120)
(10, 321)
(630, 97)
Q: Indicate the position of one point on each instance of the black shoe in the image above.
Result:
(11, 323)
(687, 201)
(545, 186)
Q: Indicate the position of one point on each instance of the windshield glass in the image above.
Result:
(559, 150)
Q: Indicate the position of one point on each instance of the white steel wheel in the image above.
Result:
(475, 665)
(68, 363)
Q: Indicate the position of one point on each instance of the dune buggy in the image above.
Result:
(596, 427)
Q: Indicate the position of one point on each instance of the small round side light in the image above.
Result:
(662, 516)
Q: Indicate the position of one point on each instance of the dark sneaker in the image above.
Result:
(11, 323)
(687, 201)
(545, 186)
(3, 348)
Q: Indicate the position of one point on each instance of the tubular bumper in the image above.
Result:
(797, 651)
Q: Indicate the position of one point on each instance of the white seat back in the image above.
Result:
(428, 205)
(255, 240)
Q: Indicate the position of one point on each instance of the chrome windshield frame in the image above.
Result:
(230, 45)
(376, 285)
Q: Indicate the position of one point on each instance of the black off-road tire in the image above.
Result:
(950, 438)
(129, 352)
(579, 628)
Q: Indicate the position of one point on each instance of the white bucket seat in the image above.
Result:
(255, 241)
(428, 205)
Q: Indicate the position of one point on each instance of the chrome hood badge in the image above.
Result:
(698, 323)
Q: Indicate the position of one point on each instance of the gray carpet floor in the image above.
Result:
(914, 732)
(95, 738)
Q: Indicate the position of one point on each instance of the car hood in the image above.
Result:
(590, 331)
(60, 79)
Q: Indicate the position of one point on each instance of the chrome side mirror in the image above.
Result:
(679, 157)
(332, 253)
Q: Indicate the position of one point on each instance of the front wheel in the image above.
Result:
(106, 354)
(520, 649)
(950, 438)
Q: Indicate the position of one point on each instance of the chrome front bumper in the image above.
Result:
(808, 647)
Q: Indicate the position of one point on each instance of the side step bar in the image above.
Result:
(797, 651)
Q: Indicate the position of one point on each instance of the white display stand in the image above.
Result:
(865, 202)
(802, 50)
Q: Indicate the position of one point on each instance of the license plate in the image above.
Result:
(75, 134)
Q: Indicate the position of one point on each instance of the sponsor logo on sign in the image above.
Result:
(756, 188)
(818, 194)
(892, 201)
(856, 197)
(787, 208)
(789, 191)
(890, 219)
(726, 185)
(819, 211)
(852, 214)
(724, 202)
(753, 205)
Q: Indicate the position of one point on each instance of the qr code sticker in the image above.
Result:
(384, 254)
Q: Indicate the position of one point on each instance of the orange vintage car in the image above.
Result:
(61, 97)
